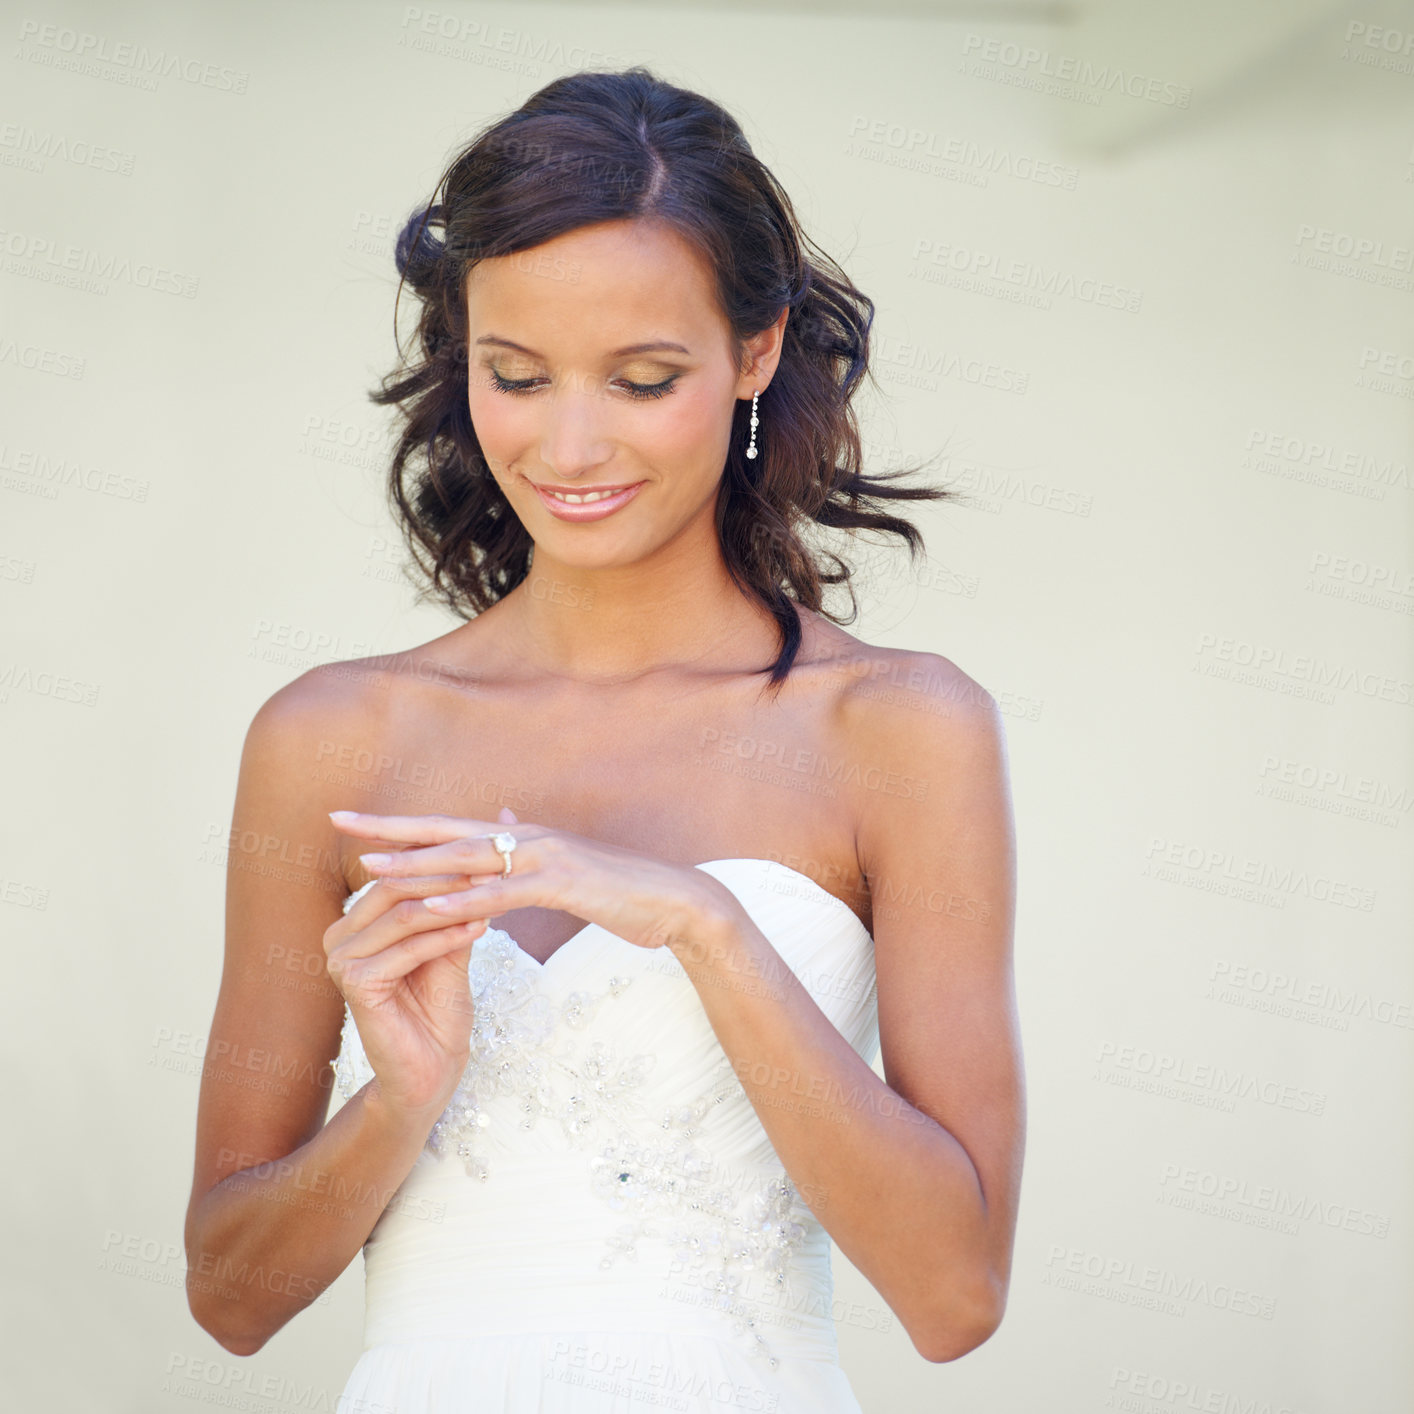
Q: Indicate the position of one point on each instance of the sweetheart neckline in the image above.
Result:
(819, 889)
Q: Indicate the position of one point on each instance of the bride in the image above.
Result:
(602, 904)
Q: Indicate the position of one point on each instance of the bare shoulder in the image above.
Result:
(921, 737)
(919, 718)
(928, 747)
(323, 695)
(360, 687)
(312, 717)
(337, 707)
(899, 699)
(891, 687)
(313, 746)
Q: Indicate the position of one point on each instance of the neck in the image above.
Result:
(679, 607)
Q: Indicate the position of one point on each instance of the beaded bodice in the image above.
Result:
(600, 1157)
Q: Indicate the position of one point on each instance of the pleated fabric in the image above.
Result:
(599, 1222)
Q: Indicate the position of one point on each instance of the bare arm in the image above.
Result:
(281, 1202)
(267, 1240)
(916, 1177)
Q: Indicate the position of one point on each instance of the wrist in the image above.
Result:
(724, 950)
(711, 936)
(397, 1118)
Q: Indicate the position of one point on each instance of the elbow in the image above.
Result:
(962, 1328)
(238, 1344)
(952, 1342)
(214, 1319)
(215, 1303)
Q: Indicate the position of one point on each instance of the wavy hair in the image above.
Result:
(601, 146)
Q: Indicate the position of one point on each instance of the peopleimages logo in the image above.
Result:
(22, 146)
(1015, 277)
(95, 56)
(40, 257)
(1037, 63)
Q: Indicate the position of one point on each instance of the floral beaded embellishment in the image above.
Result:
(513, 1052)
(674, 1193)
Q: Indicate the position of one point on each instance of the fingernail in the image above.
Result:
(374, 861)
(438, 901)
(343, 814)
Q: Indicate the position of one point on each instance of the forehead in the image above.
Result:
(600, 282)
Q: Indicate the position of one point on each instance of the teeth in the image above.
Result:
(582, 500)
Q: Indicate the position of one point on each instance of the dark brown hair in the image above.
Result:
(604, 146)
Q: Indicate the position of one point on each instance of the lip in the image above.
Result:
(594, 510)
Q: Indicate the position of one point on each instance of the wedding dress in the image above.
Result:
(598, 1221)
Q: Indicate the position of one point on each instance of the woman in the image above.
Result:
(616, 928)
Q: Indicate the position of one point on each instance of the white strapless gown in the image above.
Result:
(599, 1223)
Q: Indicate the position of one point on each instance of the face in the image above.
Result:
(602, 387)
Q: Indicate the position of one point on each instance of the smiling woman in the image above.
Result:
(737, 316)
(597, 1150)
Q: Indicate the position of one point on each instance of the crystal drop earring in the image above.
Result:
(751, 450)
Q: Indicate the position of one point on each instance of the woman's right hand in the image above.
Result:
(403, 973)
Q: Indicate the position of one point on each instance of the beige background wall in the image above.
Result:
(1187, 574)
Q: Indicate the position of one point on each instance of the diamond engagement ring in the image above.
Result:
(505, 843)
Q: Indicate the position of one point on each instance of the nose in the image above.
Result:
(575, 440)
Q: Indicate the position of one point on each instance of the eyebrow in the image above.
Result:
(656, 347)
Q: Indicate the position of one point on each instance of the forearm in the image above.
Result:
(892, 1186)
(267, 1240)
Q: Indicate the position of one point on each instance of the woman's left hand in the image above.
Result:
(646, 901)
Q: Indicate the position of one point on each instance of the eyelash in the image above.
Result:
(635, 390)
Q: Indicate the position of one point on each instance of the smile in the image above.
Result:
(580, 500)
(593, 503)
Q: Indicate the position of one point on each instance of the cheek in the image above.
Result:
(683, 430)
(501, 428)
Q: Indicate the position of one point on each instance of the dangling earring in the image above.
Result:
(751, 450)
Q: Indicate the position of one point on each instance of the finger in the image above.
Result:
(386, 892)
(482, 901)
(507, 816)
(400, 917)
(405, 886)
(407, 954)
(475, 857)
(491, 897)
(408, 829)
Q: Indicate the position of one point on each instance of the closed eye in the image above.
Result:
(635, 390)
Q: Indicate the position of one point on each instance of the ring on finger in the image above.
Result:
(505, 844)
